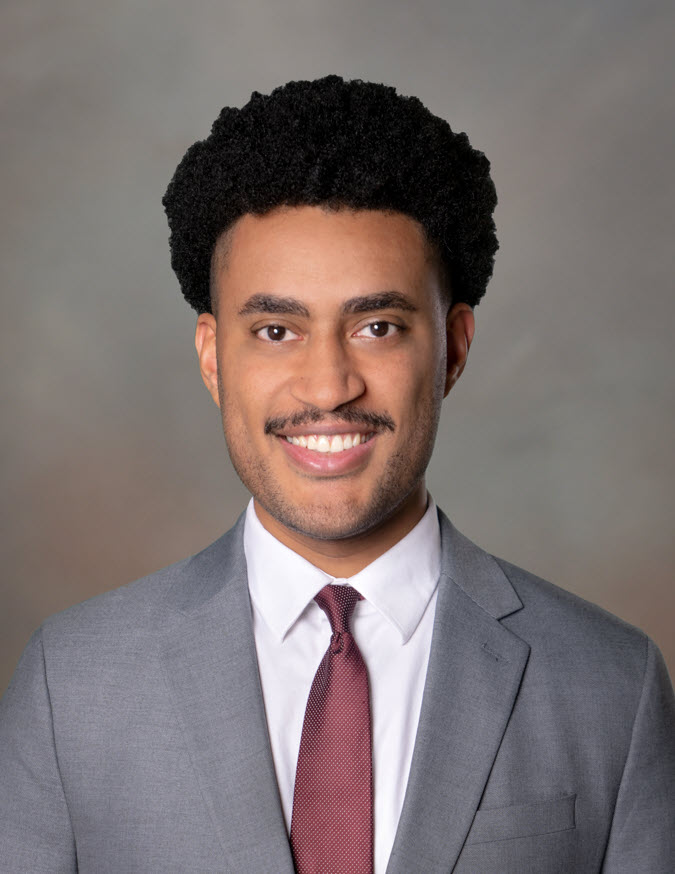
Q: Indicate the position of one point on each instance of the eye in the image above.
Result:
(378, 329)
(275, 334)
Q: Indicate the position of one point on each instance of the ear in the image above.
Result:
(459, 328)
(205, 343)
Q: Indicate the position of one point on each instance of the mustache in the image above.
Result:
(348, 415)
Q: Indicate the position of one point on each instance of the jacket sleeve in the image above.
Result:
(35, 830)
(642, 836)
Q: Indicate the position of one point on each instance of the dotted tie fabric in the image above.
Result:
(332, 820)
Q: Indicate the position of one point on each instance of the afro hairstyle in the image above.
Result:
(336, 143)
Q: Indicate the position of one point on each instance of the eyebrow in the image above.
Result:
(380, 300)
(290, 306)
(270, 303)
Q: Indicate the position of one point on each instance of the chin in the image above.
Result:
(334, 520)
(323, 522)
(327, 532)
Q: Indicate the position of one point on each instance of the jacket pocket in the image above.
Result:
(523, 820)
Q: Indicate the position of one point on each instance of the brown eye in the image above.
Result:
(275, 332)
(378, 330)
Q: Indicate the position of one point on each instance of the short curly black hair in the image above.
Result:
(338, 143)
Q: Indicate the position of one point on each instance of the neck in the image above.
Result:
(346, 557)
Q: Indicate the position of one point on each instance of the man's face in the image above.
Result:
(328, 359)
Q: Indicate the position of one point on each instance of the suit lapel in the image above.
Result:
(475, 669)
(211, 668)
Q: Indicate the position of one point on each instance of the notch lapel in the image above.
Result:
(474, 673)
(211, 668)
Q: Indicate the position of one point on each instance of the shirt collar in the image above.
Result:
(399, 584)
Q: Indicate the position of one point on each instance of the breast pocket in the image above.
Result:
(523, 820)
(534, 838)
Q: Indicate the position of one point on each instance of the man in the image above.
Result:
(342, 682)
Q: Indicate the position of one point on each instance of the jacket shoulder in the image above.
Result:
(564, 627)
(147, 604)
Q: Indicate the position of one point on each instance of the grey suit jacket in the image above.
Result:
(133, 735)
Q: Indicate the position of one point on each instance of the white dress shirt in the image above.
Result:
(392, 628)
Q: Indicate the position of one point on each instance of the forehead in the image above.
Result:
(308, 249)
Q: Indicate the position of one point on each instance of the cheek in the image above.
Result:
(421, 377)
(247, 389)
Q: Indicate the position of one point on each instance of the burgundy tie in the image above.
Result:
(332, 821)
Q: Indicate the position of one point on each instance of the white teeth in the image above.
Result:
(327, 443)
(322, 443)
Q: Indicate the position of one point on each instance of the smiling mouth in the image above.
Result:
(329, 443)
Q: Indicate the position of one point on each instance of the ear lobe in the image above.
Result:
(205, 343)
(460, 327)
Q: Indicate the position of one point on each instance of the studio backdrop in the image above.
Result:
(556, 448)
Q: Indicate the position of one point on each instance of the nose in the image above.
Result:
(327, 375)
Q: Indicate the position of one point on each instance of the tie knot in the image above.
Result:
(338, 604)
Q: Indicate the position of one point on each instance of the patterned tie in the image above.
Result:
(332, 821)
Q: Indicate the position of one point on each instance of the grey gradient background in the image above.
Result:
(556, 448)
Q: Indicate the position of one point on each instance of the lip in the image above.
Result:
(327, 463)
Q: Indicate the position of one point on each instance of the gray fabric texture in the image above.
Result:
(133, 734)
